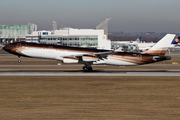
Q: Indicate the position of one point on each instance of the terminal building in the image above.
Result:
(72, 37)
(15, 33)
(96, 38)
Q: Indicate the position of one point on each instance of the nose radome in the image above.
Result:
(5, 48)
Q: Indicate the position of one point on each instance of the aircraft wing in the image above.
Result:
(101, 55)
(86, 57)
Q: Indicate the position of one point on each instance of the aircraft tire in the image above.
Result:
(85, 69)
(90, 69)
(19, 61)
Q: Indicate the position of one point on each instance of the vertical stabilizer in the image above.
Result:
(176, 41)
(161, 47)
(138, 39)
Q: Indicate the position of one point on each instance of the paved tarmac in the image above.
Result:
(8, 62)
(59, 64)
(94, 73)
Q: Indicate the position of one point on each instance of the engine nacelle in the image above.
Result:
(88, 58)
(70, 60)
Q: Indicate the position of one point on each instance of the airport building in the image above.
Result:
(96, 38)
(72, 37)
(14, 33)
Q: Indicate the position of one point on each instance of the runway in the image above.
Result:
(94, 73)
(45, 67)
(37, 89)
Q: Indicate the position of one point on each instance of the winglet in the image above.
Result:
(161, 47)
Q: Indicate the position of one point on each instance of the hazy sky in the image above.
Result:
(127, 15)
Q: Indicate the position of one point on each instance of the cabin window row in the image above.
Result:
(72, 38)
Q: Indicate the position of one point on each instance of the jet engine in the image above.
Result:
(70, 60)
(89, 58)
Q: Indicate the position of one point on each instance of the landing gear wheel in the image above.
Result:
(90, 69)
(19, 61)
(87, 69)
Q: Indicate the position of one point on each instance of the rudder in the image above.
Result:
(161, 47)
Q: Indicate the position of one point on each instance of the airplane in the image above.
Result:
(145, 46)
(138, 40)
(91, 56)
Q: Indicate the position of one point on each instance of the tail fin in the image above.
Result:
(176, 40)
(138, 39)
(161, 47)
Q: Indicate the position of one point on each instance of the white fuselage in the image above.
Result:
(60, 54)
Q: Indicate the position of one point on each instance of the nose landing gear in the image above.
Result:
(19, 60)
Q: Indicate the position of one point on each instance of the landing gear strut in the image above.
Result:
(87, 68)
(19, 60)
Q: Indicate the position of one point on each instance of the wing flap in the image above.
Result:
(90, 57)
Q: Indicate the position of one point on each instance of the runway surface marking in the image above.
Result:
(95, 73)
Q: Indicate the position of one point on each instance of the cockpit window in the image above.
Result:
(10, 45)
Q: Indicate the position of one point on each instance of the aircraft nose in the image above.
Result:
(5, 48)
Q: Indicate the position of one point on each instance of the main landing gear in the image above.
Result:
(87, 68)
(19, 60)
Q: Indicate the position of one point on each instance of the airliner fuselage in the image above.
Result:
(81, 55)
(89, 56)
